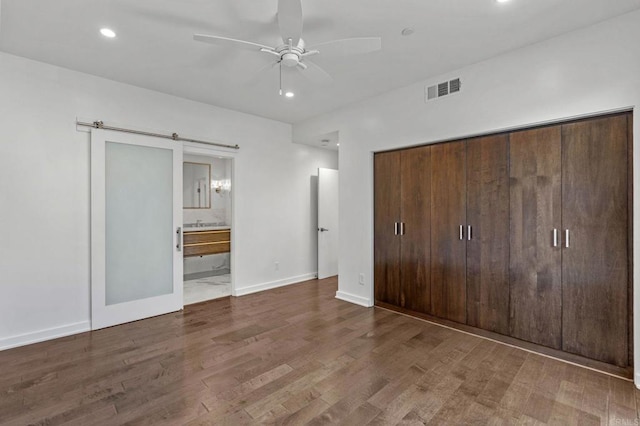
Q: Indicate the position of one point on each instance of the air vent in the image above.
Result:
(454, 85)
(432, 92)
(443, 89)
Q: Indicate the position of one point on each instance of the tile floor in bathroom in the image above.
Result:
(206, 288)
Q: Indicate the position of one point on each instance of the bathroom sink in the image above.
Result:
(190, 227)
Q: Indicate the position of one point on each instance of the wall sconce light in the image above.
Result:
(221, 186)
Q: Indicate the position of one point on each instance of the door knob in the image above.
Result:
(322, 229)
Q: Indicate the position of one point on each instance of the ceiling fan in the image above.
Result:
(294, 53)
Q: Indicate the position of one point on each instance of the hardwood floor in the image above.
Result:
(297, 355)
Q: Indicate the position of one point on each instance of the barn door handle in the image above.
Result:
(179, 239)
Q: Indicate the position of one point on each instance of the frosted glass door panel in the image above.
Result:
(139, 222)
(136, 220)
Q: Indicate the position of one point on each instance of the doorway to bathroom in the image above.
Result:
(207, 227)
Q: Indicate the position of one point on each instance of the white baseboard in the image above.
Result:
(352, 298)
(42, 335)
(274, 284)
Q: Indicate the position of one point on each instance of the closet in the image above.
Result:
(524, 234)
(594, 246)
(469, 236)
(535, 260)
(448, 248)
(402, 194)
(487, 274)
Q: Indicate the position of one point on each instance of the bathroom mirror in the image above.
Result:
(196, 185)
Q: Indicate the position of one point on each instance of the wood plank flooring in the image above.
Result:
(296, 355)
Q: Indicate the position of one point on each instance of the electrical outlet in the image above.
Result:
(361, 279)
(276, 265)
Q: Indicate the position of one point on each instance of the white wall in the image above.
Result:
(44, 191)
(588, 71)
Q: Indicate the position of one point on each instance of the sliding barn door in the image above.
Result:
(386, 254)
(448, 224)
(535, 221)
(488, 233)
(595, 232)
(136, 214)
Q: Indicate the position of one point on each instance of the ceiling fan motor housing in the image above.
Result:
(290, 59)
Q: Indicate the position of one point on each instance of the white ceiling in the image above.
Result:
(154, 46)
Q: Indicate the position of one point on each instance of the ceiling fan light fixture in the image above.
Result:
(290, 60)
(107, 32)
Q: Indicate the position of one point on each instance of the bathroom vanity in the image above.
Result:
(205, 240)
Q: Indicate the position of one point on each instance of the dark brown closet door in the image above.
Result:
(595, 265)
(386, 246)
(415, 250)
(488, 233)
(448, 213)
(535, 264)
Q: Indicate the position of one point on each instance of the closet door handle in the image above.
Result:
(566, 238)
(395, 228)
(469, 232)
(401, 228)
(179, 239)
(461, 232)
(555, 237)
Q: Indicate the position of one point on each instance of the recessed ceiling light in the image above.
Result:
(289, 94)
(338, 144)
(107, 32)
(407, 31)
(501, 1)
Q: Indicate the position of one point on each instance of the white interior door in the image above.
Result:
(327, 223)
(136, 220)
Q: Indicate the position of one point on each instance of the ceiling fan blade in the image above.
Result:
(348, 46)
(314, 73)
(230, 42)
(290, 20)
